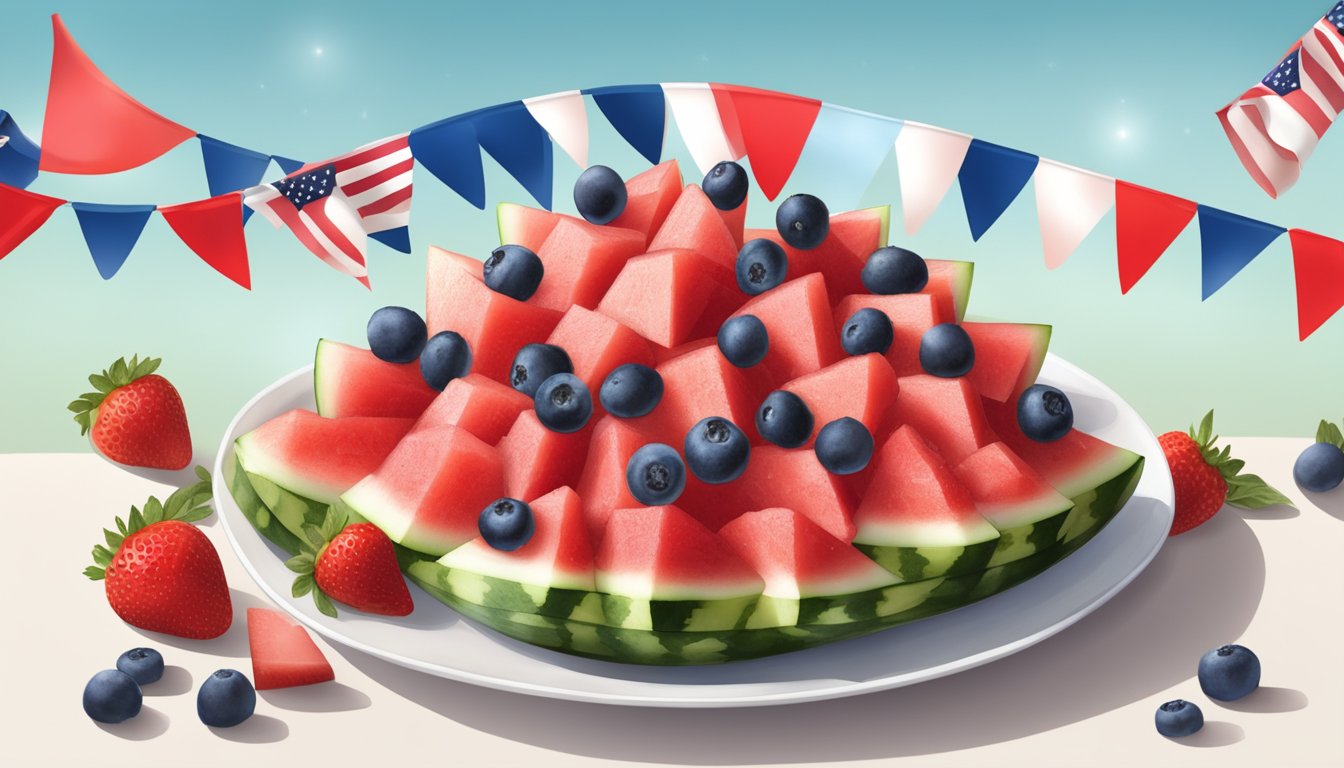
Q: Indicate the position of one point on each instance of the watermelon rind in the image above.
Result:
(962, 275)
(369, 501)
(262, 518)
(918, 563)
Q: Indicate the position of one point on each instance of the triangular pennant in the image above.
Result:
(1318, 270)
(697, 115)
(1146, 224)
(843, 153)
(564, 115)
(638, 113)
(229, 168)
(1069, 203)
(517, 142)
(449, 150)
(991, 177)
(398, 239)
(18, 154)
(111, 231)
(1228, 242)
(213, 229)
(927, 159)
(91, 125)
(774, 127)
(21, 214)
(290, 167)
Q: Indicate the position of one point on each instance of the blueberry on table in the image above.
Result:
(144, 665)
(761, 265)
(506, 524)
(599, 194)
(447, 356)
(563, 403)
(226, 699)
(1229, 672)
(803, 221)
(396, 334)
(655, 475)
(514, 271)
(1319, 468)
(743, 340)
(726, 185)
(536, 363)
(844, 446)
(717, 450)
(946, 350)
(1178, 718)
(1044, 413)
(784, 419)
(866, 331)
(631, 390)
(112, 696)
(890, 270)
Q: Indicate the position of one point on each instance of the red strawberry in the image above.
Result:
(136, 416)
(354, 564)
(161, 573)
(1206, 478)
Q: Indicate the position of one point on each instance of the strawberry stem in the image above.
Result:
(118, 374)
(1243, 490)
(188, 504)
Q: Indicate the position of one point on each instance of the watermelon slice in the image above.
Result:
(283, 655)
(581, 261)
(736, 222)
(255, 510)
(803, 337)
(694, 224)
(946, 412)
(649, 197)
(537, 460)
(597, 345)
(663, 295)
(783, 477)
(1028, 513)
(861, 388)
(1008, 357)
(862, 231)
(350, 381)
(484, 407)
(911, 314)
(528, 227)
(602, 485)
(950, 284)
(696, 385)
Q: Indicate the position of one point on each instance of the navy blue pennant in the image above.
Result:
(638, 113)
(991, 177)
(449, 150)
(111, 231)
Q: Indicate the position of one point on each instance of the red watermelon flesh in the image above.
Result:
(484, 407)
(1008, 357)
(283, 655)
(495, 325)
(946, 412)
(1069, 464)
(696, 385)
(861, 388)
(316, 457)
(597, 344)
(736, 221)
(350, 381)
(695, 224)
(528, 227)
(559, 554)
(911, 314)
(649, 197)
(537, 460)
(663, 354)
(914, 499)
(950, 284)
(581, 262)
(862, 231)
(797, 315)
(778, 477)
(1007, 491)
(662, 553)
(663, 295)
(799, 559)
(602, 485)
(835, 258)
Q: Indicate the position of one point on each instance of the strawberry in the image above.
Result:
(161, 573)
(1206, 478)
(355, 564)
(136, 416)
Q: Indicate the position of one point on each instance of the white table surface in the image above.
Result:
(1272, 580)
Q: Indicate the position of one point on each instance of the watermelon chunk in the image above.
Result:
(946, 412)
(911, 314)
(283, 655)
(841, 256)
(694, 224)
(528, 227)
(950, 284)
(649, 197)
(1008, 357)
(484, 407)
(803, 337)
(861, 388)
(696, 385)
(1028, 513)
(602, 485)
(663, 295)
(537, 460)
(917, 519)
(581, 261)
(736, 222)
(350, 381)
(783, 477)
(495, 325)
(429, 493)
(597, 344)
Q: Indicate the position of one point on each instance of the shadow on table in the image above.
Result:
(149, 724)
(1202, 590)
(1331, 502)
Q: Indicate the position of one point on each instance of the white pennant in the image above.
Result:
(697, 115)
(1069, 203)
(928, 159)
(564, 115)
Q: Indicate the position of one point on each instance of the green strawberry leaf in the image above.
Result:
(333, 524)
(101, 383)
(113, 539)
(324, 603)
(1252, 492)
(102, 556)
(1204, 435)
(314, 536)
(301, 563)
(137, 520)
(1329, 433)
(188, 504)
(153, 511)
(197, 514)
(119, 373)
(303, 585)
(80, 406)
(95, 573)
(201, 472)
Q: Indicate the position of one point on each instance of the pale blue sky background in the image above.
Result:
(1127, 90)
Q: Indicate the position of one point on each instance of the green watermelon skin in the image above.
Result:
(254, 509)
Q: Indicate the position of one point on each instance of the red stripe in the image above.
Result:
(1304, 106)
(1326, 74)
(372, 153)
(1243, 154)
(290, 216)
(369, 182)
(1324, 37)
(386, 203)
(333, 232)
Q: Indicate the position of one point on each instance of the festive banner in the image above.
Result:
(91, 125)
(774, 127)
(290, 167)
(516, 141)
(312, 205)
(229, 168)
(450, 151)
(927, 159)
(1318, 270)
(111, 231)
(18, 154)
(991, 177)
(1146, 224)
(213, 230)
(1228, 242)
(696, 112)
(564, 115)
(843, 153)
(376, 180)
(638, 113)
(1069, 203)
(21, 214)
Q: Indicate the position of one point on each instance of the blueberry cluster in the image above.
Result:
(398, 335)
(1226, 673)
(225, 699)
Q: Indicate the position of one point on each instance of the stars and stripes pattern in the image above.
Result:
(1275, 126)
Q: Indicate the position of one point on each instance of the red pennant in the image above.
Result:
(773, 126)
(91, 125)
(1318, 269)
(1146, 223)
(21, 214)
(213, 228)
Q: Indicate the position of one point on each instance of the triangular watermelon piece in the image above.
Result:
(797, 558)
(350, 381)
(1008, 357)
(695, 224)
(835, 258)
(1074, 464)
(602, 485)
(528, 227)
(1027, 511)
(861, 388)
(793, 478)
(537, 460)
(482, 406)
(946, 412)
(736, 222)
(597, 344)
(662, 553)
(283, 655)
(648, 198)
(950, 284)
(581, 261)
(862, 231)
(696, 385)
(911, 314)
(663, 295)
(803, 338)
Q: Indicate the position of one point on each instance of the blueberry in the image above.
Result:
(1229, 672)
(844, 446)
(655, 474)
(396, 334)
(890, 270)
(726, 185)
(514, 271)
(563, 403)
(866, 331)
(1044, 413)
(447, 356)
(599, 194)
(743, 340)
(1320, 468)
(1178, 718)
(803, 221)
(536, 363)
(226, 699)
(144, 665)
(946, 350)
(112, 696)
(506, 524)
(631, 390)
(716, 450)
(761, 265)
(784, 419)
